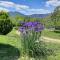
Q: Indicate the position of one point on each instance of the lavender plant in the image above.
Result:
(30, 34)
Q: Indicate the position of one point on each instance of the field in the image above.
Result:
(13, 39)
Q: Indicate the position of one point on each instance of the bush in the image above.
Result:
(5, 26)
(39, 50)
(57, 28)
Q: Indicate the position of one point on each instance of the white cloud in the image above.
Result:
(6, 4)
(39, 11)
(1, 8)
(21, 8)
(53, 3)
(52, 0)
(35, 11)
(12, 5)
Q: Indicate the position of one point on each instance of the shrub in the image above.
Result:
(57, 28)
(5, 26)
(5, 23)
(39, 50)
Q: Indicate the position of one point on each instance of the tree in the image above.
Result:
(55, 17)
(5, 23)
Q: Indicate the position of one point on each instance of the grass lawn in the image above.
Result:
(51, 34)
(14, 40)
(56, 48)
(11, 44)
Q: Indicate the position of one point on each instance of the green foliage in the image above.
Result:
(33, 46)
(28, 41)
(14, 40)
(4, 15)
(55, 17)
(5, 26)
(48, 22)
(5, 23)
(53, 20)
(39, 50)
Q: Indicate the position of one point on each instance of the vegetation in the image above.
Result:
(55, 17)
(12, 41)
(5, 23)
(51, 34)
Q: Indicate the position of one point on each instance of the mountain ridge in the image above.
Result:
(32, 16)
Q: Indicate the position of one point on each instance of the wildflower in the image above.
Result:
(29, 26)
(22, 29)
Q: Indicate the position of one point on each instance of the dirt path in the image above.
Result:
(47, 39)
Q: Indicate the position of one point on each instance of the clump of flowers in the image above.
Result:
(31, 26)
(30, 34)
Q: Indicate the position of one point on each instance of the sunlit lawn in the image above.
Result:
(51, 34)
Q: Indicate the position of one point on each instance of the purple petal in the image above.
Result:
(21, 29)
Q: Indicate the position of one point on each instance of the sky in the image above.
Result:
(29, 7)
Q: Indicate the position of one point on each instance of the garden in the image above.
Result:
(25, 39)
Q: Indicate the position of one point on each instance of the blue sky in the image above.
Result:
(29, 7)
(31, 3)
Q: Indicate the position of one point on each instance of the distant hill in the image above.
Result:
(16, 13)
(39, 15)
(33, 15)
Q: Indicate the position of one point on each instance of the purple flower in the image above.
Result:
(28, 26)
(35, 23)
(39, 27)
(21, 29)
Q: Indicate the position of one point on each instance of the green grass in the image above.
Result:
(14, 40)
(51, 34)
(11, 39)
(8, 52)
(56, 48)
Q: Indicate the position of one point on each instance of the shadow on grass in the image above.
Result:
(8, 52)
(57, 31)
